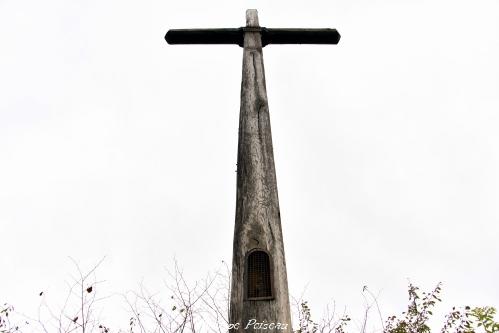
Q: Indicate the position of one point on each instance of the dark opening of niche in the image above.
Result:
(259, 276)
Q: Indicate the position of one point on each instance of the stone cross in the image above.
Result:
(259, 300)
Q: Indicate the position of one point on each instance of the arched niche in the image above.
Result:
(259, 275)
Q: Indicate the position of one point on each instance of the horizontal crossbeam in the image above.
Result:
(236, 36)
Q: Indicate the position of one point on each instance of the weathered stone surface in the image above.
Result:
(258, 222)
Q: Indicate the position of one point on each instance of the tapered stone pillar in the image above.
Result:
(259, 299)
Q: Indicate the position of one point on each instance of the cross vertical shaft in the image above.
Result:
(257, 223)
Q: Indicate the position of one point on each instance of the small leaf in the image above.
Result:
(75, 319)
(89, 289)
(41, 293)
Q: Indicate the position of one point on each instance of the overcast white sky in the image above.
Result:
(113, 143)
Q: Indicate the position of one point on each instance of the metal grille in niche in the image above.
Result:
(259, 275)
